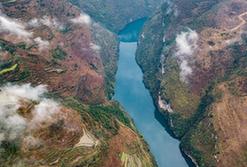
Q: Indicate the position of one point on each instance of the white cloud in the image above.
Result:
(43, 44)
(25, 91)
(186, 70)
(31, 142)
(12, 125)
(47, 21)
(95, 47)
(15, 97)
(34, 23)
(15, 124)
(15, 27)
(44, 112)
(186, 44)
(51, 22)
(82, 19)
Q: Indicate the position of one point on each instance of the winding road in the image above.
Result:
(243, 22)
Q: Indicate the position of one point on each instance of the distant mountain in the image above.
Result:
(193, 54)
(115, 14)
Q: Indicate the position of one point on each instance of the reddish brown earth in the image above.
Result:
(209, 108)
(77, 73)
(230, 120)
(81, 61)
(211, 62)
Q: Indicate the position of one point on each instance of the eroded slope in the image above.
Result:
(188, 50)
(55, 74)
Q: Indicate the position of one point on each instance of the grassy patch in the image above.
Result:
(176, 91)
(59, 54)
(105, 115)
(8, 47)
(7, 70)
(200, 143)
(8, 150)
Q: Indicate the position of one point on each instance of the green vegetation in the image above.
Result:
(8, 150)
(239, 64)
(6, 46)
(65, 30)
(148, 54)
(176, 91)
(59, 54)
(191, 120)
(22, 45)
(106, 115)
(108, 43)
(10, 72)
(200, 143)
(112, 110)
(109, 84)
(67, 157)
(9, 1)
(182, 125)
(135, 156)
(115, 14)
(6, 70)
(101, 115)
(23, 74)
(5, 64)
(11, 66)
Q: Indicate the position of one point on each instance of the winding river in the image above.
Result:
(135, 98)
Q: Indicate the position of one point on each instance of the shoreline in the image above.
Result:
(163, 119)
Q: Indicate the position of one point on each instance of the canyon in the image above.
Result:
(108, 83)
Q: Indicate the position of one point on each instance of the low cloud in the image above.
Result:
(95, 47)
(186, 44)
(42, 44)
(25, 91)
(186, 70)
(12, 26)
(51, 22)
(83, 19)
(16, 98)
(33, 23)
(44, 112)
(47, 21)
(31, 142)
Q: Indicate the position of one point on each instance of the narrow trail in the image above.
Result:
(243, 22)
(233, 34)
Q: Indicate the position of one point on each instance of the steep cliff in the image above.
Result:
(115, 14)
(193, 57)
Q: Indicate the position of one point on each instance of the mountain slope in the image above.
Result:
(115, 14)
(193, 57)
(54, 109)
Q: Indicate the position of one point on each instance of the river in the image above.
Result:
(135, 98)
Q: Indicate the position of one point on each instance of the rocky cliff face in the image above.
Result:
(55, 74)
(193, 57)
(115, 14)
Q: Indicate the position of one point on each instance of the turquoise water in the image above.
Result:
(136, 100)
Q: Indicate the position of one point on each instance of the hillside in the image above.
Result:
(193, 55)
(57, 72)
(115, 14)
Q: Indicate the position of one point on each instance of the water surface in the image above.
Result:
(136, 100)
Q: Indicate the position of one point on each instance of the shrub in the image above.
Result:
(59, 54)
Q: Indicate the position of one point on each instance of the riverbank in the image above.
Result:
(136, 100)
